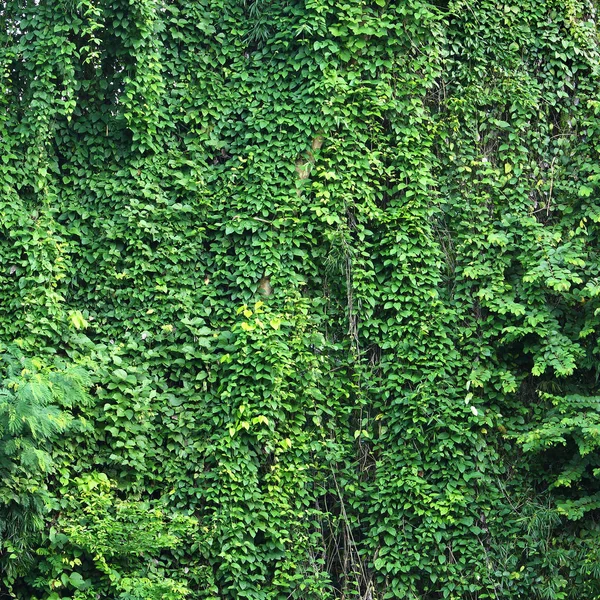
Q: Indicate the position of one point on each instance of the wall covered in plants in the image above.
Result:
(299, 299)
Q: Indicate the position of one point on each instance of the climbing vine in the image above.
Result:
(299, 299)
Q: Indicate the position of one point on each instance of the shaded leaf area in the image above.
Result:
(324, 280)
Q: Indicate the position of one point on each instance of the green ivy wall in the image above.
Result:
(332, 267)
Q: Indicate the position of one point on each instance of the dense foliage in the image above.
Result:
(299, 299)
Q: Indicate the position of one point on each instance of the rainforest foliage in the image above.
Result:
(299, 299)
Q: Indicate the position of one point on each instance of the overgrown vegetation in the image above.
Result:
(299, 299)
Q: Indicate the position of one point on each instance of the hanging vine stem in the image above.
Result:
(348, 271)
(352, 317)
(350, 542)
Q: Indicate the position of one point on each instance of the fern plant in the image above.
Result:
(34, 403)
